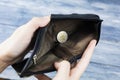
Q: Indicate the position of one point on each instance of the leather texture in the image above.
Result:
(46, 49)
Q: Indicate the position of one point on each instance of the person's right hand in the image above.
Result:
(63, 68)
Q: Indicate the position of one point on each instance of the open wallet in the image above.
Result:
(65, 37)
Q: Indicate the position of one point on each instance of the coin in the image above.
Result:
(62, 36)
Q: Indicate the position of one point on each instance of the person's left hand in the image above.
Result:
(11, 49)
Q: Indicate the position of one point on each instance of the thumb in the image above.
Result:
(63, 70)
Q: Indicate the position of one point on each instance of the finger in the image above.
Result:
(42, 77)
(26, 31)
(36, 22)
(84, 61)
(63, 70)
(30, 27)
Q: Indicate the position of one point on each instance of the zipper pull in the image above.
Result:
(35, 59)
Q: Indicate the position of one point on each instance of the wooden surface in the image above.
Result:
(105, 63)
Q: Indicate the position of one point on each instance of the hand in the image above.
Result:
(11, 49)
(63, 68)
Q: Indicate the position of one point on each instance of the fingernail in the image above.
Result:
(93, 41)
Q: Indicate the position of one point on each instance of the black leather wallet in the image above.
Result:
(64, 38)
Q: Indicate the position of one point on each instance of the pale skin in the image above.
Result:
(10, 51)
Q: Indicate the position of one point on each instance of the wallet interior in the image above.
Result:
(47, 49)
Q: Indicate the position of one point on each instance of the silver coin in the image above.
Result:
(62, 36)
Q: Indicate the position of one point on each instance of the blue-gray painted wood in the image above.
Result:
(105, 63)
